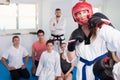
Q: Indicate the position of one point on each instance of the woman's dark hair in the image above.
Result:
(94, 33)
(50, 41)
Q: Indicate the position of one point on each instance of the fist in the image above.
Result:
(97, 20)
(77, 35)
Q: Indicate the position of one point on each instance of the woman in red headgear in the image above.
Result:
(91, 43)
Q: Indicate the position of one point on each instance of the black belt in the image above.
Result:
(58, 37)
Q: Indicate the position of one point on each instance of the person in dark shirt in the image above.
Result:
(66, 66)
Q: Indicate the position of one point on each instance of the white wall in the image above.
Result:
(111, 9)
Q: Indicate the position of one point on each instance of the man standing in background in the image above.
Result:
(57, 29)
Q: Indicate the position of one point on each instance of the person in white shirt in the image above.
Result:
(57, 28)
(15, 55)
(49, 63)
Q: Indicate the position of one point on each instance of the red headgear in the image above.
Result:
(79, 7)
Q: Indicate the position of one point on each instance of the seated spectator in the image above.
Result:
(37, 48)
(66, 66)
(49, 63)
(15, 65)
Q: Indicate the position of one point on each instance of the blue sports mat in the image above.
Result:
(5, 75)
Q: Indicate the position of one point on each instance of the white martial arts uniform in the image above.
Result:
(116, 71)
(15, 56)
(57, 29)
(49, 66)
(89, 52)
(112, 37)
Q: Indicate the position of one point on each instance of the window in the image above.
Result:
(27, 16)
(8, 16)
(18, 16)
(4, 2)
